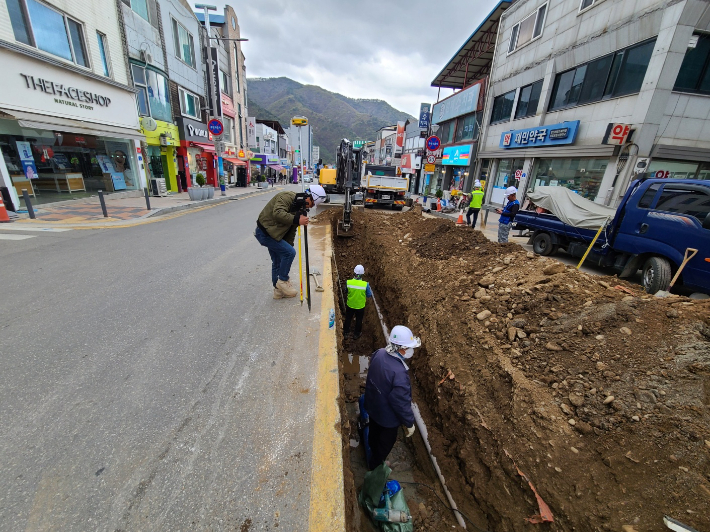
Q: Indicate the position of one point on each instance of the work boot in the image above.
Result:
(286, 289)
(277, 293)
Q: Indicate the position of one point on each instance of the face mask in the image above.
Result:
(409, 352)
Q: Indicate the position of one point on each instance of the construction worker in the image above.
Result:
(358, 292)
(276, 231)
(507, 214)
(388, 393)
(475, 206)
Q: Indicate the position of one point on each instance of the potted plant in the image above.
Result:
(222, 186)
(200, 180)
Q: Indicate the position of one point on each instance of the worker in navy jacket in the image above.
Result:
(388, 393)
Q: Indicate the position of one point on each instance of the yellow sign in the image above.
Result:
(429, 167)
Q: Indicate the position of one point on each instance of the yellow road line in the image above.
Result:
(327, 506)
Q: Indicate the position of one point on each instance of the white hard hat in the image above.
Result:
(317, 192)
(359, 269)
(477, 184)
(402, 336)
(510, 191)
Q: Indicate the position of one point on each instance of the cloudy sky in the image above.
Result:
(387, 49)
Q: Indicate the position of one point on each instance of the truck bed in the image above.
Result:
(535, 221)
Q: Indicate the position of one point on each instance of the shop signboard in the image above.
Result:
(461, 103)
(552, 135)
(28, 161)
(193, 131)
(424, 115)
(429, 167)
(457, 155)
(213, 83)
(251, 131)
(407, 163)
(617, 134)
(400, 139)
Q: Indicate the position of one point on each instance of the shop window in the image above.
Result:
(672, 169)
(184, 44)
(681, 199)
(694, 75)
(528, 100)
(466, 128)
(502, 107)
(505, 176)
(103, 52)
(528, 29)
(224, 81)
(47, 29)
(189, 104)
(141, 8)
(446, 132)
(153, 98)
(228, 128)
(614, 75)
(583, 176)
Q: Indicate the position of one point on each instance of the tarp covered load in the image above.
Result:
(572, 208)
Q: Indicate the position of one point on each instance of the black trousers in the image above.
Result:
(381, 440)
(469, 212)
(359, 314)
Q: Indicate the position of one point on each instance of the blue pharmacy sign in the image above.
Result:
(554, 135)
(424, 115)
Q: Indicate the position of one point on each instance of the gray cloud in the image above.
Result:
(387, 49)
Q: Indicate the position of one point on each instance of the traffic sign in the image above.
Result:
(431, 159)
(215, 126)
(433, 143)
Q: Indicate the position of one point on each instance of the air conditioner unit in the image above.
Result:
(146, 57)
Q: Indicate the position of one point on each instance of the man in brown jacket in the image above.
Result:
(276, 231)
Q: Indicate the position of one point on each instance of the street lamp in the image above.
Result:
(299, 122)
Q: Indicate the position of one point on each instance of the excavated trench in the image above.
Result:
(514, 380)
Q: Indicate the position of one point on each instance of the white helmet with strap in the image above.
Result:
(403, 337)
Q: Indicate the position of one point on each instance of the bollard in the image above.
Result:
(28, 203)
(103, 203)
(147, 198)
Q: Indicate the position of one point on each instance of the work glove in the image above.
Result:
(410, 431)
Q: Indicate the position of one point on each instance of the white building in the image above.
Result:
(564, 70)
(306, 137)
(266, 140)
(316, 154)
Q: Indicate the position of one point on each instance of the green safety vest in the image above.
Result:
(476, 199)
(357, 293)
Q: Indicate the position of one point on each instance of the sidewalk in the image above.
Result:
(123, 209)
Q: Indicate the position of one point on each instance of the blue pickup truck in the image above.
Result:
(656, 221)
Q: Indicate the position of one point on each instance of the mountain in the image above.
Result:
(332, 116)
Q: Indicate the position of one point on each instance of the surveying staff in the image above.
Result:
(388, 393)
(475, 206)
(507, 214)
(276, 231)
(358, 292)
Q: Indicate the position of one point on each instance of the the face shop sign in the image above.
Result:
(65, 95)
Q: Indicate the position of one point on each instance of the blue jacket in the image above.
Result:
(509, 212)
(388, 392)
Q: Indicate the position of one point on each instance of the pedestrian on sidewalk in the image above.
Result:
(507, 214)
(358, 293)
(276, 231)
(475, 206)
(388, 394)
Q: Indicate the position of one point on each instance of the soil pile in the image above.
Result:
(595, 391)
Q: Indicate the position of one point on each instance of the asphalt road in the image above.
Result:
(150, 382)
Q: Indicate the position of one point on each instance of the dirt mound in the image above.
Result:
(597, 392)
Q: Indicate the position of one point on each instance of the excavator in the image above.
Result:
(348, 176)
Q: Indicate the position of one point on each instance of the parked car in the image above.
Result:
(308, 178)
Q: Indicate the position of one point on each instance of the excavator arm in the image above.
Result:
(346, 172)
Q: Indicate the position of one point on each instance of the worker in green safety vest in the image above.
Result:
(358, 292)
(476, 202)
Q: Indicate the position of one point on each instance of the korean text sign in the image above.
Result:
(553, 135)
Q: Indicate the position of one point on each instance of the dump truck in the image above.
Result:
(382, 186)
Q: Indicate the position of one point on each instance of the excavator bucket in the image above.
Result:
(344, 231)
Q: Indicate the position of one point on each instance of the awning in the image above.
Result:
(206, 147)
(235, 161)
(79, 127)
(473, 60)
(275, 166)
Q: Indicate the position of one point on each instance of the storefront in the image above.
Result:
(162, 139)
(65, 135)
(458, 160)
(196, 153)
(263, 164)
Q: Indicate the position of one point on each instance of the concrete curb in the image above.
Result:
(214, 201)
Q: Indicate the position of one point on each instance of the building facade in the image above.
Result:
(584, 93)
(68, 119)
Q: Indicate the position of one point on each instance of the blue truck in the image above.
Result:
(656, 221)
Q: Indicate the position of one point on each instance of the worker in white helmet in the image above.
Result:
(358, 293)
(388, 393)
(507, 214)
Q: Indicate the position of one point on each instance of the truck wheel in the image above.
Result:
(542, 244)
(656, 274)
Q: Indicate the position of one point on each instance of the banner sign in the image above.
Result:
(400, 139)
(251, 132)
(27, 159)
(457, 155)
(553, 135)
(216, 105)
(424, 115)
(461, 103)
